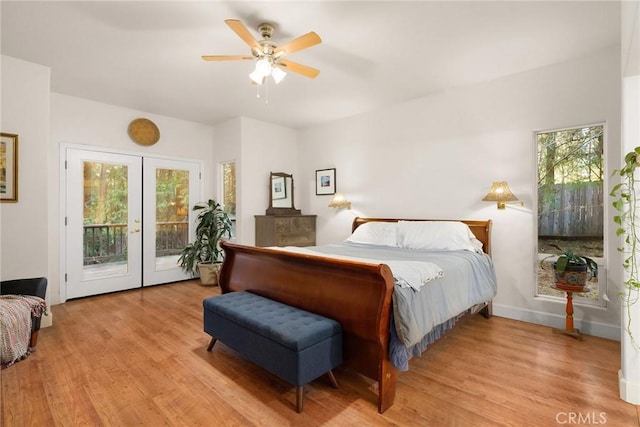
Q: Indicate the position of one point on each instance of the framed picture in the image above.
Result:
(8, 167)
(278, 188)
(325, 181)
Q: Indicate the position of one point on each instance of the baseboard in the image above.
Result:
(557, 321)
(629, 392)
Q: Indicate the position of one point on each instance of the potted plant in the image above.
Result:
(571, 270)
(204, 255)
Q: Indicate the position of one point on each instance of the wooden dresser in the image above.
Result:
(285, 230)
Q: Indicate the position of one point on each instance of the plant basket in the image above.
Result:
(204, 253)
(209, 273)
(574, 277)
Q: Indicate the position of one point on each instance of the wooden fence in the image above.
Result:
(571, 210)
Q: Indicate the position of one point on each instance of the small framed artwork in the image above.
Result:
(8, 167)
(325, 181)
(278, 188)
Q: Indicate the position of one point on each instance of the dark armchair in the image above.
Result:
(36, 286)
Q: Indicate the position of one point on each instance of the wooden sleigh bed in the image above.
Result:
(357, 294)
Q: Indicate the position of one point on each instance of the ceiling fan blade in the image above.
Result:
(298, 68)
(302, 42)
(239, 28)
(225, 57)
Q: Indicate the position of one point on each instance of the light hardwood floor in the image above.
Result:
(139, 358)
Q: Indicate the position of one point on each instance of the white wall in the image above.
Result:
(630, 372)
(93, 124)
(258, 148)
(435, 157)
(629, 375)
(630, 37)
(24, 247)
(266, 148)
(227, 140)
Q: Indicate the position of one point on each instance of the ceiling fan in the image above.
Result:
(268, 55)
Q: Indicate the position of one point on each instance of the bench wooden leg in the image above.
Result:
(211, 343)
(334, 383)
(300, 390)
(299, 396)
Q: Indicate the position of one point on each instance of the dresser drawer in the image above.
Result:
(285, 230)
(295, 239)
(304, 224)
(282, 225)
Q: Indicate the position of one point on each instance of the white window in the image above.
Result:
(571, 196)
(228, 180)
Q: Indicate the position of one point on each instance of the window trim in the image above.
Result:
(220, 192)
(602, 301)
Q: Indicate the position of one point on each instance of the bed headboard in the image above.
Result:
(480, 228)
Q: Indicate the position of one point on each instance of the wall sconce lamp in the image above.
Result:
(501, 193)
(339, 202)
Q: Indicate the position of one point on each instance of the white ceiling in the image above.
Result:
(146, 55)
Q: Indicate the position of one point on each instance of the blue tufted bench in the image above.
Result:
(296, 345)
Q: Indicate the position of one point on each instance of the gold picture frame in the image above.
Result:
(8, 167)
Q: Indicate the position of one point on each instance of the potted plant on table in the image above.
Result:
(572, 271)
(204, 255)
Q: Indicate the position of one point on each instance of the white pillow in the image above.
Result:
(477, 244)
(375, 233)
(436, 235)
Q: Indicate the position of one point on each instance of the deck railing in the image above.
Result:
(103, 243)
(171, 237)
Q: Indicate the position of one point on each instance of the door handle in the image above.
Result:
(135, 230)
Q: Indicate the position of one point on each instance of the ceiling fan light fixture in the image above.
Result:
(256, 77)
(267, 55)
(263, 66)
(277, 74)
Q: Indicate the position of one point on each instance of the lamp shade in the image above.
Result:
(263, 67)
(256, 77)
(339, 202)
(277, 74)
(500, 192)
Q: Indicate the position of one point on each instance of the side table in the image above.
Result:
(570, 290)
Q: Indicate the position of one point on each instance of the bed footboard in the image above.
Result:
(358, 295)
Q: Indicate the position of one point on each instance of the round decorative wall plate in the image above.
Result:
(144, 132)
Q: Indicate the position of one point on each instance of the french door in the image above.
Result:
(127, 218)
(170, 189)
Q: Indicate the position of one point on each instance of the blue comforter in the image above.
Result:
(421, 316)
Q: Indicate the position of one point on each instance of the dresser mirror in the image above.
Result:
(281, 195)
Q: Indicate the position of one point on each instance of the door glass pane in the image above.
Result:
(105, 213)
(172, 216)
